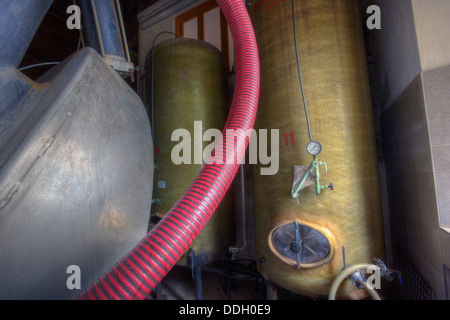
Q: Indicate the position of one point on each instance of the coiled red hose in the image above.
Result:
(138, 272)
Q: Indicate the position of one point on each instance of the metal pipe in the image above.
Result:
(344, 256)
(19, 22)
(236, 249)
(83, 43)
(108, 22)
(106, 34)
(198, 281)
(97, 27)
(122, 29)
(88, 30)
(295, 194)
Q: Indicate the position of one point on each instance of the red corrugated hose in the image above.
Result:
(141, 269)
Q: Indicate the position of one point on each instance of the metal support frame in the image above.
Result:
(197, 263)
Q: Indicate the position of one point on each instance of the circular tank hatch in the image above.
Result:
(300, 245)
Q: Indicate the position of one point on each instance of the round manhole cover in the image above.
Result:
(299, 243)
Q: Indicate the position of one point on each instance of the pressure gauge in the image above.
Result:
(314, 148)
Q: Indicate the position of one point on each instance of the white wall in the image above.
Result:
(395, 48)
(432, 21)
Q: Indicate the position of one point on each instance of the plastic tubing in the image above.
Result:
(142, 268)
(347, 272)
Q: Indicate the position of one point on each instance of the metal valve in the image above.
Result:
(315, 165)
(387, 273)
(296, 245)
(319, 187)
(358, 279)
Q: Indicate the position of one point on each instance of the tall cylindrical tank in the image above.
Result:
(299, 241)
(189, 98)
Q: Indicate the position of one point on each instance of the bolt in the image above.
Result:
(295, 246)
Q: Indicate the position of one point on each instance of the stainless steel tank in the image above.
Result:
(76, 177)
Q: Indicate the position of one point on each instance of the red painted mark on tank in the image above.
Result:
(260, 3)
(268, 7)
(272, 5)
(286, 138)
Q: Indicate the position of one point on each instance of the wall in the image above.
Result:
(410, 180)
(395, 48)
(432, 22)
(437, 98)
(409, 59)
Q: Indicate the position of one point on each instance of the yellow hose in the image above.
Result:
(345, 273)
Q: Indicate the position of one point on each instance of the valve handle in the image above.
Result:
(317, 164)
(297, 246)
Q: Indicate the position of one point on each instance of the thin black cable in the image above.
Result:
(300, 73)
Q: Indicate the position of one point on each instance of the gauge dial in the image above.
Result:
(314, 148)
